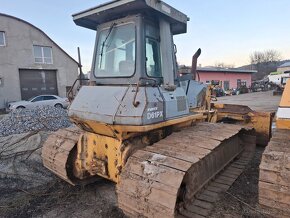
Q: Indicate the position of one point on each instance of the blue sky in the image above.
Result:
(226, 30)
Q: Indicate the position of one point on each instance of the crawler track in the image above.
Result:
(57, 152)
(274, 181)
(168, 179)
(204, 201)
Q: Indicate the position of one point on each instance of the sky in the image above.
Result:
(227, 31)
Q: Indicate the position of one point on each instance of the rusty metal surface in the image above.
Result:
(161, 179)
(56, 152)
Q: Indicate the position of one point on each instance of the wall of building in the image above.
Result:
(18, 54)
(226, 76)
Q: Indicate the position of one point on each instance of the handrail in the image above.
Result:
(69, 93)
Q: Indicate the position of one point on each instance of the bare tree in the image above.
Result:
(224, 65)
(272, 56)
(257, 57)
(265, 62)
(268, 56)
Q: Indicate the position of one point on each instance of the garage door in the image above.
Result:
(37, 82)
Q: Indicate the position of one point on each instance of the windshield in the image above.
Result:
(30, 98)
(115, 56)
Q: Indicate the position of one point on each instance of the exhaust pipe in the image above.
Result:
(194, 63)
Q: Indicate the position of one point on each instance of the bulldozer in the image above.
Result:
(274, 179)
(146, 128)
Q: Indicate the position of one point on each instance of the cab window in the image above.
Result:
(153, 59)
(116, 51)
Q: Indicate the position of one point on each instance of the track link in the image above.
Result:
(57, 151)
(164, 179)
(204, 201)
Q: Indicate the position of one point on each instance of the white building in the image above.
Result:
(31, 63)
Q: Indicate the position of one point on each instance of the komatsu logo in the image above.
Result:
(153, 113)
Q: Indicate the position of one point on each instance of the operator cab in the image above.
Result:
(129, 41)
(119, 60)
(134, 71)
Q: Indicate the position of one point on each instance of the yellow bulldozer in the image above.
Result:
(274, 180)
(146, 128)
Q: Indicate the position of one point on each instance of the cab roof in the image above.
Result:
(113, 10)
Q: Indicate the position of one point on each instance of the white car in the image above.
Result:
(40, 100)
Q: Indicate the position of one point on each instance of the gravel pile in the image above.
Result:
(41, 118)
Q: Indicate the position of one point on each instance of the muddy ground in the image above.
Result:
(27, 189)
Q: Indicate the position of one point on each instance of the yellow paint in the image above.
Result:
(93, 147)
(109, 147)
(127, 131)
(285, 100)
(283, 123)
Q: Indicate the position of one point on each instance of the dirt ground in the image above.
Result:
(27, 189)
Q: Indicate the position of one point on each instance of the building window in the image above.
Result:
(42, 54)
(244, 83)
(215, 83)
(226, 85)
(2, 38)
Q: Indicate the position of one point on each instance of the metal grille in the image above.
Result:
(181, 103)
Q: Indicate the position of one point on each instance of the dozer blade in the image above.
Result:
(274, 180)
(57, 152)
(260, 121)
(167, 178)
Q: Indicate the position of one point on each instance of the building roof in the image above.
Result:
(287, 64)
(23, 21)
(218, 69)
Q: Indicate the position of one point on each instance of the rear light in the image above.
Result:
(66, 100)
